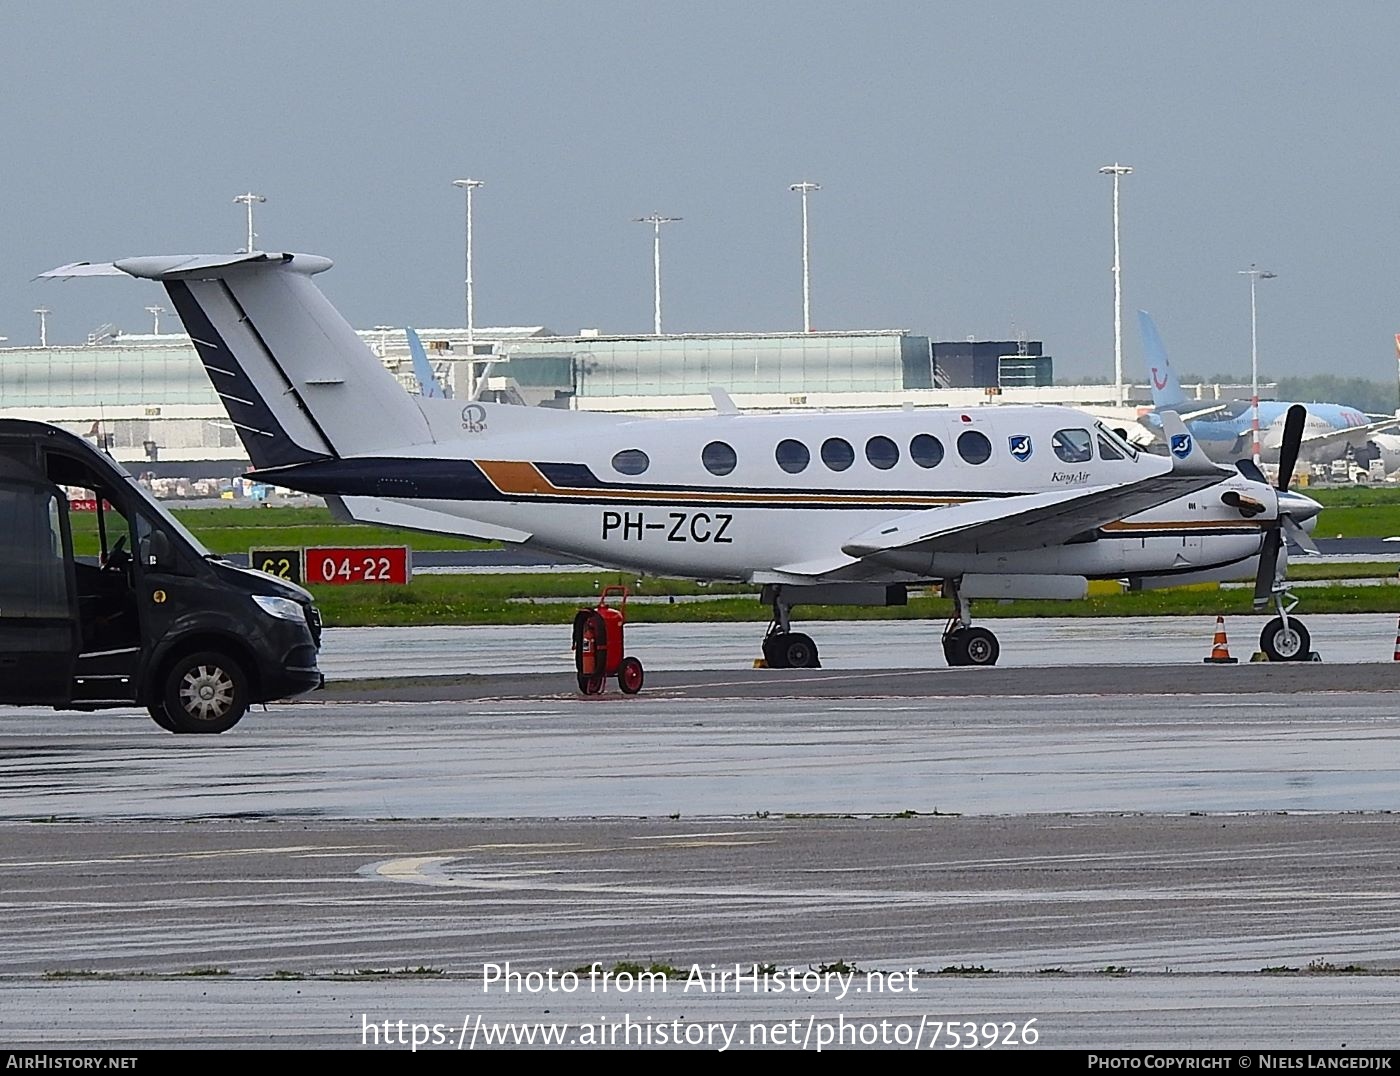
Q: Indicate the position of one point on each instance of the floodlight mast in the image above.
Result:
(1255, 275)
(249, 200)
(805, 188)
(1117, 171)
(656, 220)
(469, 185)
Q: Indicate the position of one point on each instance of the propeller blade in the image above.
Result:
(1250, 470)
(1297, 535)
(1292, 439)
(1268, 568)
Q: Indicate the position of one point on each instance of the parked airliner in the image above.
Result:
(995, 501)
(1224, 428)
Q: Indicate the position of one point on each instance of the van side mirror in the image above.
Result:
(158, 553)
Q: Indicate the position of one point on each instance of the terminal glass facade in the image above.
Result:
(103, 376)
(691, 365)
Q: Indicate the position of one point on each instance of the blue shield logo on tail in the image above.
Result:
(1181, 445)
(1020, 445)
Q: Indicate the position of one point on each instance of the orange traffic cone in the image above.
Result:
(1220, 649)
(1397, 640)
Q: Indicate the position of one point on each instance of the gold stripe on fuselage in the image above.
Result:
(515, 479)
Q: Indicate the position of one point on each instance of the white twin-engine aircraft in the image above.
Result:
(817, 508)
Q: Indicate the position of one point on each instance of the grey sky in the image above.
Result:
(957, 146)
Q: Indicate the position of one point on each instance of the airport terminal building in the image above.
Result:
(147, 396)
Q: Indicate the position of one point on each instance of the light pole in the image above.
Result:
(469, 185)
(43, 312)
(805, 188)
(249, 200)
(155, 312)
(656, 220)
(1255, 275)
(1117, 171)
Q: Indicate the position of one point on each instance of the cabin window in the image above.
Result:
(718, 458)
(974, 447)
(926, 450)
(792, 456)
(630, 461)
(1073, 446)
(881, 452)
(837, 453)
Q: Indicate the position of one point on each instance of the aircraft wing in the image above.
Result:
(1038, 520)
(1202, 412)
(1029, 521)
(1348, 433)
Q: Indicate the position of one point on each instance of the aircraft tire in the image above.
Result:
(953, 652)
(800, 652)
(205, 692)
(979, 647)
(1285, 644)
(773, 652)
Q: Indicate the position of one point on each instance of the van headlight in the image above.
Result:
(281, 608)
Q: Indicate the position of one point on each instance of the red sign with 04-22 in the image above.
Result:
(358, 564)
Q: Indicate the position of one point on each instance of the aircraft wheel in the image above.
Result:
(980, 647)
(205, 692)
(160, 717)
(953, 647)
(800, 652)
(1281, 643)
(630, 676)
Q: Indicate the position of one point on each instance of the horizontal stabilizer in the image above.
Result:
(297, 381)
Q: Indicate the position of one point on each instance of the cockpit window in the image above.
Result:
(1106, 449)
(1073, 446)
(1116, 438)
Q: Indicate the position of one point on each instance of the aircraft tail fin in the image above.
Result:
(1161, 378)
(295, 379)
(428, 383)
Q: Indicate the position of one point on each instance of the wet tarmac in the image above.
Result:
(1141, 855)
(893, 644)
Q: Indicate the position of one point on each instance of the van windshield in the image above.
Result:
(158, 511)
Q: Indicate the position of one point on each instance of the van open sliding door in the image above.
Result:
(38, 608)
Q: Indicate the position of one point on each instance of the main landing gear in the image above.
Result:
(964, 644)
(784, 648)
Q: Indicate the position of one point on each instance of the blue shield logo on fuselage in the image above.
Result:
(1020, 445)
(1181, 445)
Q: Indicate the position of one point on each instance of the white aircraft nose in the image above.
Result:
(1300, 506)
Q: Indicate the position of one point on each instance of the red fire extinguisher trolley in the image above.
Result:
(598, 647)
